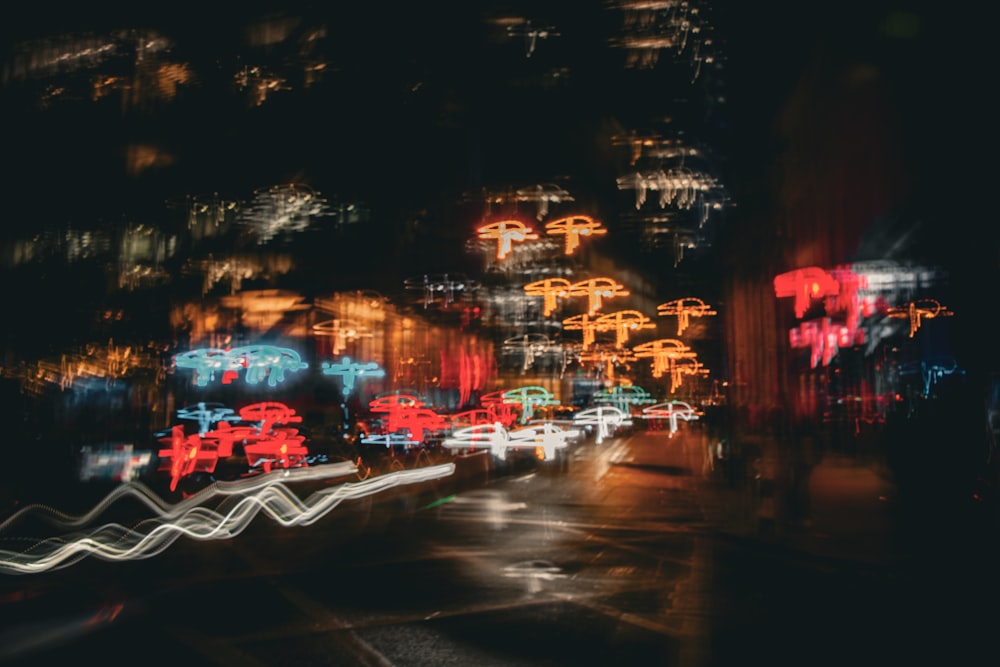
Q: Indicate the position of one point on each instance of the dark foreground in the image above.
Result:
(637, 554)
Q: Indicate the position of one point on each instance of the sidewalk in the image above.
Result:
(845, 512)
(849, 513)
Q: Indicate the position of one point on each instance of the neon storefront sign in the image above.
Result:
(258, 362)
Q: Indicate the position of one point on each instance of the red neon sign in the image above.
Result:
(805, 285)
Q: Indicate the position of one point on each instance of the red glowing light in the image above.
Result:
(502, 411)
(267, 444)
(805, 285)
(824, 339)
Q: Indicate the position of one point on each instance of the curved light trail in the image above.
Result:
(241, 503)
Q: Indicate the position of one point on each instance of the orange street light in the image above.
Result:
(685, 309)
(597, 289)
(506, 232)
(551, 289)
(623, 322)
(917, 311)
(573, 227)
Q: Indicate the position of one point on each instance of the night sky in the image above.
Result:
(420, 105)
(419, 96)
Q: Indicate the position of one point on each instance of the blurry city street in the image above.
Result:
(641, 553)
(498, 334)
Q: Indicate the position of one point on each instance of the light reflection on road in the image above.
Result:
(621, 533)
(612, 543)
(491, 506)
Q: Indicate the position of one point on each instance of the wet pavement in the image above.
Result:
(638, 554)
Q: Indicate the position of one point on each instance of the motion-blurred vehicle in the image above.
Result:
(670, 412)
(546, 441)
(602, 421)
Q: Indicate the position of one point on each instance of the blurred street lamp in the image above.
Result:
(918, 311)
(281, 209)
(573, 227)
(531, 34)
(550, 289)
(623, 323)
(451, 286)
(506, 232)
(684, 309)
(596, 290)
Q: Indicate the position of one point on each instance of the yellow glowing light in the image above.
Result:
(597, 289)
(635, 143)
(678, 368)
(543, 194)
(653, 146)
(608, 359)
(573, 227)
(679, 187)
(506, 232)
(551, 289)
(623, 322)
(582, 323)
(665, 353)
(917, 311)
(342, 332)
(684, 309)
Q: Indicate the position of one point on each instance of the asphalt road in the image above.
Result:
(624, 558)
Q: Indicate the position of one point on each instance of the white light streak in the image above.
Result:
(607, 420)
(241, 503)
